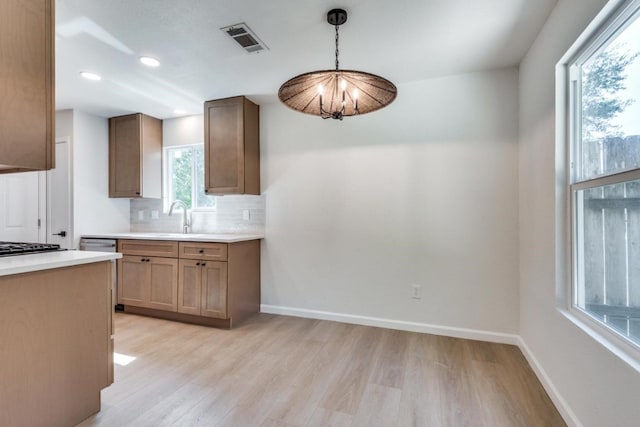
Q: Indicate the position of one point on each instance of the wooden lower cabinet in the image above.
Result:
(150, 282)
(216, 284)
(133, 281)
(202, 288)
(189, 287)
(56, 352)
(214, 289)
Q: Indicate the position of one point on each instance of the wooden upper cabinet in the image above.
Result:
(135, 156)
(27, 115)
(232, 146)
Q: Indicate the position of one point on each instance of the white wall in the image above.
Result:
(183, 130)
(424, 191)
(94, 211)
(599, 388)
(64, 123)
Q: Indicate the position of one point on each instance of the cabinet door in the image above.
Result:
(125, 137)
(27, 83)
(214, 289)
(189, 287)
(224, 146)
(164, 283)
(133, 281)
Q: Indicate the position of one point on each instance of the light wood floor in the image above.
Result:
(277, 371)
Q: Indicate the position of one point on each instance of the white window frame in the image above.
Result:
(614, 17)
(167, 181)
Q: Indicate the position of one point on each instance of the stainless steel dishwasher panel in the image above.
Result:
(97, 245)
(103, 245)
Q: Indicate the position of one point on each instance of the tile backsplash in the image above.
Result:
(232, 214)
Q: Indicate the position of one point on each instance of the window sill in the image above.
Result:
(616, 344)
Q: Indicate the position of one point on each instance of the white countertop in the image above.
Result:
(215, 238)
(47, 260)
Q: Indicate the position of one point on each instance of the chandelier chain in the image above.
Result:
(337, 50)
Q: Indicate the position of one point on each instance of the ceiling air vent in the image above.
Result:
(246, 38)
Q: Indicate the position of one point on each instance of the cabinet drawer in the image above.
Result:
(157, 248)
(205, 251)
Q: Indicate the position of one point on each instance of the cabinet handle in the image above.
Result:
(197, 263)
(201, 251)
(203, 264)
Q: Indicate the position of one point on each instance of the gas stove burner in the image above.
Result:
(15, 248)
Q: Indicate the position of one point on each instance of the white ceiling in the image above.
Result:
(402, 40)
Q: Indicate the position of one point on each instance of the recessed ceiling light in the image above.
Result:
(90, 76)
(149, 61)
(181, 112)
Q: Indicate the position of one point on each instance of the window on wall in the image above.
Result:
(184, 177)
(604, 131)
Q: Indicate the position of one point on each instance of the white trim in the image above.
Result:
(49, 194)
(449, 331)
(613, 8)
(42, 207)
(617, 344)
(563, 407)
(614, 17)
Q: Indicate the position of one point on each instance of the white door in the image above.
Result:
(59, 191)
(20, 207)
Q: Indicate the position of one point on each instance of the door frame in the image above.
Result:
(70, 234)
(42, 207)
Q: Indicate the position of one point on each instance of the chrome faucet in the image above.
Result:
(186, 219)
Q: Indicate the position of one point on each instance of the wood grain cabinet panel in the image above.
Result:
(216, 284)
(27, 115)
(203, 251)
(214, 289)
(56, 344)
(189, 287)
(133, 281)
(135, 156)
(163, 274)
(202, 288)
(152, 248)
(232, 146)
(148, 282)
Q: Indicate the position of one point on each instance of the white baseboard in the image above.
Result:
(567, 414)
(565, 411)
(402, 325)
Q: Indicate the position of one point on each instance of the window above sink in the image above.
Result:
(184, 177)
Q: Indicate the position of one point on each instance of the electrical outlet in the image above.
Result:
(246, 215)
(140, 215)
(416, 291)
(155, 215)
